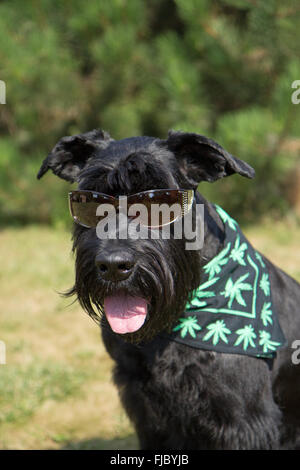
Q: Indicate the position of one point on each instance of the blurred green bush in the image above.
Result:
(223, 68)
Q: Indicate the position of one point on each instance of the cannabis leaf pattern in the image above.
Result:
(215, 265)
(258, 256)
(265, 284)
(265, 341)
(233, 290)
(201, 293)
(246, 335)
(217, 331)
(187, 325)
(237, 282)
(237, 253)
(266, 314)
(226, 218)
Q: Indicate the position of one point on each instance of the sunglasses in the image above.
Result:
(88, 208)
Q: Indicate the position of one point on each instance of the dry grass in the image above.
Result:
(56, 389)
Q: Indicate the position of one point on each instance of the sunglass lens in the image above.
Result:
(84, 205)
(151, 209)
(158, 207)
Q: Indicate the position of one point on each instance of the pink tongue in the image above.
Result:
(124, 313)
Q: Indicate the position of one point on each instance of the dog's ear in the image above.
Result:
(71, 154)
(202, 159)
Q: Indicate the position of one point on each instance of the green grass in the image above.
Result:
(56, 389)
(24, 389)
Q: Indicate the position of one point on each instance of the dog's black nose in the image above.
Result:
(115, 265)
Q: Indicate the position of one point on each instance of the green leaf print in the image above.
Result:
(217, 331)
(246, 335)
(226, 218)
(201, 293)
(259, 257)
(233, 290)
(266, 314)
(237, 253)
(187, 325)
(265, 341)
(215, 265)
(265, 284)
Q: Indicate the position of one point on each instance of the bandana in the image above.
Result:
(232, 310)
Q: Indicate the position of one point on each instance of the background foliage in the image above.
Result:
(223, 68)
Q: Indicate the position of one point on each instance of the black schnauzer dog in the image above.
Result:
(204, 340)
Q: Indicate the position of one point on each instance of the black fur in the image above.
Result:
(178, 397)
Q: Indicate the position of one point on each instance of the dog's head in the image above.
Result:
(141, 284)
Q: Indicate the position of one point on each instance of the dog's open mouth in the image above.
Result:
(125, 313)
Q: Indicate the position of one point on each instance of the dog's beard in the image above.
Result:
(150, 300)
